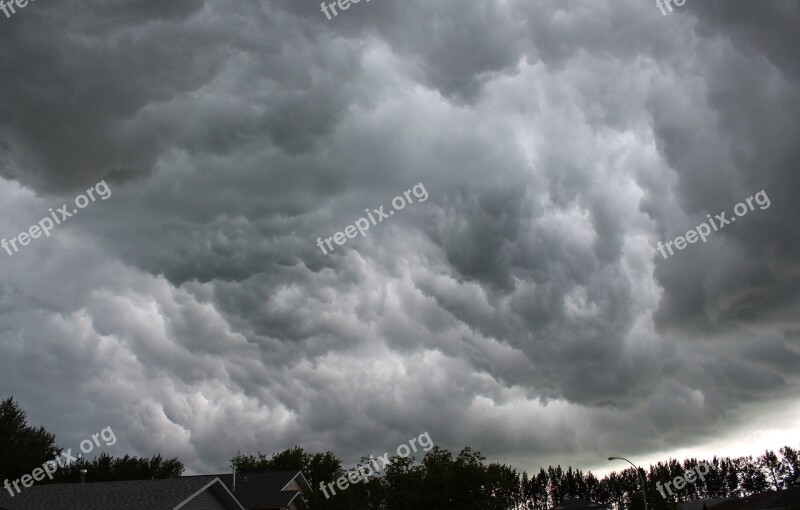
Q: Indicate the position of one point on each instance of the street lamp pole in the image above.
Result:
(644, 491)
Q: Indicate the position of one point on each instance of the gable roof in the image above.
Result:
(165, 494)
(764, 501)
(699, 504)
(265, 490)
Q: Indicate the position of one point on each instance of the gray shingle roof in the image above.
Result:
(132, 495)
(787, 498)
(698, 504)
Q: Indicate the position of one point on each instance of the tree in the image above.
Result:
(22, 448)
(106, 468)
(464, 482)
(753, 478)
(769, 463)
(503, 488)
(317, 468)
(790, 466)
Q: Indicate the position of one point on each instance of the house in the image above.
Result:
(579, 504)
(703, 504)
(282, 490)
(788, 499)
(184, 493)
(250, 491)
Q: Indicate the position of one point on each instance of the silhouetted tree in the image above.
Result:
(465, 482)
(22, 447)
(106, 468)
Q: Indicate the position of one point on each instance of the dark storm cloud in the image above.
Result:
(66, 99)
(749, 105)
(769, 31)
(85, 110)
(523, 302)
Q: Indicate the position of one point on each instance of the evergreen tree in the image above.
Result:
(22, 447)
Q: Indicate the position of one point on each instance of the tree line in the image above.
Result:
(439, 479)
(24, 448)
(465, 481)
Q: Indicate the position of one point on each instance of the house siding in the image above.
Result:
(206, 500)
(293, 486)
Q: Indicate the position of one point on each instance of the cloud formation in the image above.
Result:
(522, 308)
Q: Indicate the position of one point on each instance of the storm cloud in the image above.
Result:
(522, 309)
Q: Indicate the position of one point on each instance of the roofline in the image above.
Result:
(206, 487)
(293, 498)
(297, 493)
(307, 485)
(303, 502)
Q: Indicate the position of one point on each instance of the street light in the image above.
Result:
(644, 494)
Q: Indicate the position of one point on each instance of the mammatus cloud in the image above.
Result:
(522, 308)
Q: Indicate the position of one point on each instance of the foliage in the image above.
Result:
(24, 448)
(443, 481)
(106, 468)
(438, 480)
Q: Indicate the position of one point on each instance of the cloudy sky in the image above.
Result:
(521, 309)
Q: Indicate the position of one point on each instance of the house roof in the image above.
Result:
(166, 494)
(764, 501)
(578, 503)
(258, 491)
(698, 504)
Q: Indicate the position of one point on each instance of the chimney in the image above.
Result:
(83, 475)
(234, 479)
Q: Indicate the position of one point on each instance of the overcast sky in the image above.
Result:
(522, 309)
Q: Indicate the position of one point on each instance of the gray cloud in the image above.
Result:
(522, 307)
